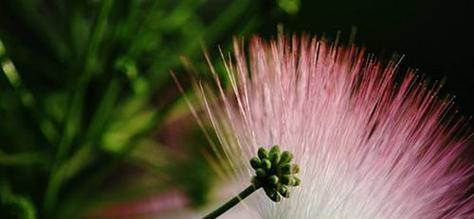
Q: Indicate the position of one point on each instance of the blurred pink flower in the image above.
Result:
(371, 144)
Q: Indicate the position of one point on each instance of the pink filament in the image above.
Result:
(370, 145)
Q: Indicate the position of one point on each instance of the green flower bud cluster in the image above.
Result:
(274, 172)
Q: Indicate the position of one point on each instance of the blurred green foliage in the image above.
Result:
(85, 86)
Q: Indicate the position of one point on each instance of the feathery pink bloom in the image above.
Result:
(369, 145)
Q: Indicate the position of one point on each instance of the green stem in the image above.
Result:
(231, 203)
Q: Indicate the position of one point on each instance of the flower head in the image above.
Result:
(369, 145)
(274, 172)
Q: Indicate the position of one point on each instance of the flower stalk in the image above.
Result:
(231, 203)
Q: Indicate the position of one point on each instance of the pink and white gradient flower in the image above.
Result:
(371, 144)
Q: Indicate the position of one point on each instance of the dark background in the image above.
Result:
(436, 37)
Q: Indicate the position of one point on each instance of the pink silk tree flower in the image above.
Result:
(371, 143)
